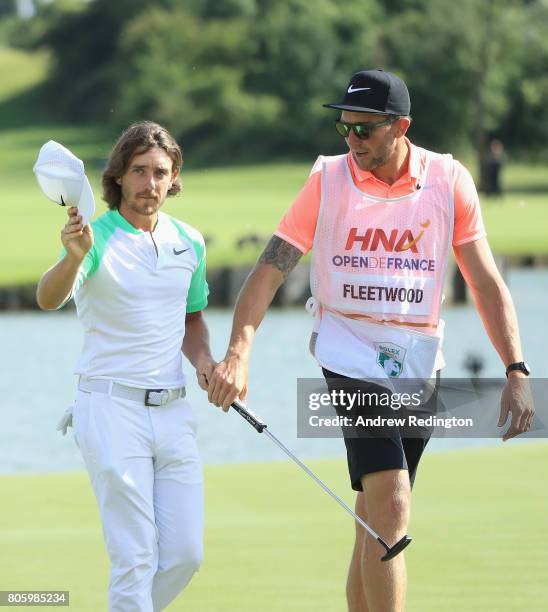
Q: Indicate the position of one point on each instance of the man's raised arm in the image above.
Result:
(56, 284)
(229, 379)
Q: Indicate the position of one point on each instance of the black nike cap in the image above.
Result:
(375, 91)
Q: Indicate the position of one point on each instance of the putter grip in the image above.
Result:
(251, 418)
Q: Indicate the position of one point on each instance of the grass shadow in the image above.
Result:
(531, 188)
(24, 110)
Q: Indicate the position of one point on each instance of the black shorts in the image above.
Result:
(374, 453)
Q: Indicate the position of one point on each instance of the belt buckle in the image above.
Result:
(160, 401)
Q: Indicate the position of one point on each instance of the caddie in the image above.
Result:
(137, 276)
(380, 221)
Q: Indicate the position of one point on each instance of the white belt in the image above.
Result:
(148, 397)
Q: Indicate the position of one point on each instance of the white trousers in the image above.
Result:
(146, 474)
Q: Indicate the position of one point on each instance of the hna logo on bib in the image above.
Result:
(390, 357)
(375, 237)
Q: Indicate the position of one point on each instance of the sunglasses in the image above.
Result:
(363, 131)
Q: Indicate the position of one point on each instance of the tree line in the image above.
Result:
(241, 79)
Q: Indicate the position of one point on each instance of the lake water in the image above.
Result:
(40, 349)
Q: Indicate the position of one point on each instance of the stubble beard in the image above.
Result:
(384, 153)
(147, 208)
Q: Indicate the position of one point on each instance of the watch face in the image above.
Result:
(521, 366)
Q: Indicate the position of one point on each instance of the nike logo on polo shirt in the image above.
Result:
(352, 89)
(176, 252)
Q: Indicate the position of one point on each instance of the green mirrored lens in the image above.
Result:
(362, 130)
(342, 128)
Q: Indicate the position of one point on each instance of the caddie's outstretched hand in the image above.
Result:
(517, 399)
(76, 239)
(228, 382)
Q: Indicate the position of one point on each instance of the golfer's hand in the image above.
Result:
(76, 239)
(204, 372)
(517, 399)
(228, 382)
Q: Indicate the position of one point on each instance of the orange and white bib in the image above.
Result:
(378, 271)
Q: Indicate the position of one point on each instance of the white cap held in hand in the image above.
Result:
(62, 178)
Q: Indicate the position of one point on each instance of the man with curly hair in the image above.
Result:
(137, 276)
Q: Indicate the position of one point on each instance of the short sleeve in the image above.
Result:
(198, 290)
(298, 225)
(468, 219)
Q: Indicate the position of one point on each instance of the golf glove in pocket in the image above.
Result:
(66, 421)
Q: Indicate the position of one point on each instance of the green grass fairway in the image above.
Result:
(224, 204)
(19, 71)
(275, 541)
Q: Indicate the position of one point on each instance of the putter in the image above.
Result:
(255, 421)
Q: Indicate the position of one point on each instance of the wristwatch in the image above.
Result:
(520, 366)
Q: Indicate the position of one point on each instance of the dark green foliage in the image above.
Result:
(526, 125)
(246, 86)
(7, 7)
(247, 78)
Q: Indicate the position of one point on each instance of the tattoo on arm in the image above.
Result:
(281, 255)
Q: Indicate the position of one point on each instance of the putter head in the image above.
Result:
(397, 548)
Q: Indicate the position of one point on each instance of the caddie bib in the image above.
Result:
(378, 271)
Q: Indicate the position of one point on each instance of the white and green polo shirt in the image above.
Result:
(132, 293)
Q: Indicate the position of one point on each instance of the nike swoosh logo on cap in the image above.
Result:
(176, 252)
(352, 89)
